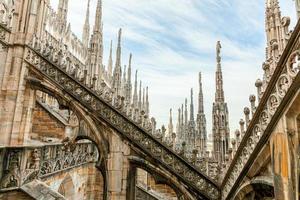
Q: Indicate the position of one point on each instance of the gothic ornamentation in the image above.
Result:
(136, 133)
(42, 161)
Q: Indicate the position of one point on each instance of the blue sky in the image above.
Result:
(172, 40)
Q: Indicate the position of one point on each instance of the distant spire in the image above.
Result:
(62, 13)
(219, 96)
(170, 126)
(140, 97)
(124, 83)
(192, 107)
(147, 102)
(143, 102)
(96, 43)
(118, 54)
(135, 93)
(178, 122)
(182, 118)
(185, 113)
(86, 27)
(98, 17)
(110, 61)
(118, 71)
(129, 86)
(200, 97)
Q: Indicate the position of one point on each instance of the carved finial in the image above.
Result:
(247, 118)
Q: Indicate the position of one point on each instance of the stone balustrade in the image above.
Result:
(21, 165)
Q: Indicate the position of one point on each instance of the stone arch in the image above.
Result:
(260, 187)
(161, 177)
(94, 134)
(67, 188)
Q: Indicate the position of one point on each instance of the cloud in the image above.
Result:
(172, 40)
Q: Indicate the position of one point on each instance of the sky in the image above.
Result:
(173, 40)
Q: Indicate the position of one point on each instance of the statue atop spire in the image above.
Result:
(220, 117)
(219, 96)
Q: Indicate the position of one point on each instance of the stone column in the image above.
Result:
(280, 161)
(118, 168)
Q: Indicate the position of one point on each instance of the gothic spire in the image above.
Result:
(185, 113)
(118, 71)
(219, 96)
(124, 83)
(86, 27)
(147, 102)
(143, 102)
(140, 97)
(118, 54)
(110, 62)
(98, 17)
(182, 117)
(128, 84)
(135, 93)
(178, 122)
(170, 126)
(192, 107)
(62, 13)
(200, 97)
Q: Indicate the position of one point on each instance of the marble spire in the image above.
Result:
(200, 96)
(62, 13)
(219, 95)
(135, 92)
(147, 103)
(192, 107)
(128, 84)
(140, 97)
(170, 126)
(116, 83)
(110, 62)
(86, 27)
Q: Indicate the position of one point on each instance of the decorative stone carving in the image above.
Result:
(135, 132)
(40, 163)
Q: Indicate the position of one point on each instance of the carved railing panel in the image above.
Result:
(284, 81)
(21, 165)
(134, 133)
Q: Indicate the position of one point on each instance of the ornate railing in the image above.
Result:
(104, 111)
(20, 165)
(280, 90)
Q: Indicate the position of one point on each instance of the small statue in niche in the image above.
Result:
(34, 160)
